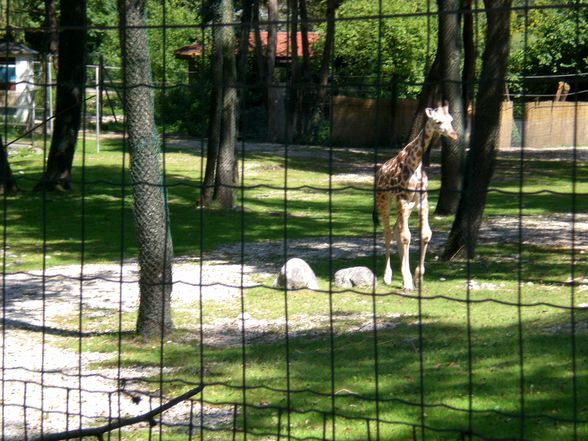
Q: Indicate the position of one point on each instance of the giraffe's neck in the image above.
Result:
(416, 149)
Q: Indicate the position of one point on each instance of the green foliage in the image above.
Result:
(395, 47)
(175, 24)
(556, 43)
(21, 14)
(184, 108)
(103, 37)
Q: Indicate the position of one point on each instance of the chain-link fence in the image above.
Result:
(262, 157)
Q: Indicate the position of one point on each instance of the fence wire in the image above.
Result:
(491, 346)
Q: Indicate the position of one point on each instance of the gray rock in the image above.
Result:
(296, 274)
(355, 276)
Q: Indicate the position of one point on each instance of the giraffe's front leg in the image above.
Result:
(387, 243)
(426, 234)
(402, 234)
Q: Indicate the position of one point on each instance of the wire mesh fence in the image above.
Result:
(259, 153)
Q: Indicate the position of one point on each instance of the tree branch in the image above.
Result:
(122, 422)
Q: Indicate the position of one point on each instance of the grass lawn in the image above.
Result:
(507, 360)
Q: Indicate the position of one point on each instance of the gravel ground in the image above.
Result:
(49, 378)
(32, 359)
(49, 387)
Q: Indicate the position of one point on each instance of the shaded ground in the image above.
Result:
(40, 377)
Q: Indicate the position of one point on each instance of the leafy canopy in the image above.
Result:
(395, 46)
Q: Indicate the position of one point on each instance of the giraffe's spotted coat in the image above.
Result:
(404, 179)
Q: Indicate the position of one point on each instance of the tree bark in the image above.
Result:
(306, 93)
(272, 41)
(7, 181)
(293, 102)
(149, 199)
(52, 45)
(480, 162)
(225, 172)
(304, 40)
(219, 177)
(453, 151)
(332, 6)
(430, 96)
(245, 31)
(214, 115)
(323, 75)
(258, 44)
(469, 65)
(270, 90)
(71, 78)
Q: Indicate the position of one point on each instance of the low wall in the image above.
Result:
(368, 122)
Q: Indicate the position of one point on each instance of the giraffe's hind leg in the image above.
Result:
(383, 208)
(425, 234)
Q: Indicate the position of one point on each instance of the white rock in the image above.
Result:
(296, 274)
(354, 276)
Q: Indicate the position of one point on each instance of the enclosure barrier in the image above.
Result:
(492, 346)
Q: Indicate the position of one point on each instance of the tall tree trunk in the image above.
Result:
(304, 37)
(306, 93)
(249, 20)
(453, 151)
(52, 45)
(272, 41)
(71, 78)
(486, 125)
(149, 199)
(258, 44)
(7, 181)
(332, 6)
(219, 176)
(293, 101)
(430, 96)
(245, 31)
(271, 91)
(225, 172)
(469, 65)
(214, 114)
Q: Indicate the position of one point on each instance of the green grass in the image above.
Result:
(95, 218)
(495, 347)
(520, 358)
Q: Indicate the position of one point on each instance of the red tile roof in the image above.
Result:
(283, 46)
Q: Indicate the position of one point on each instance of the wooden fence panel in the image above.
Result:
(555, 123)
(506, 125)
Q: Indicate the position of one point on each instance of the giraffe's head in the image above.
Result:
(439, 121)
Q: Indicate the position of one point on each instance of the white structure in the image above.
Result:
(17, 81)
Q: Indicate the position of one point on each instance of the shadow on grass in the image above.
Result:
(490, 380)
(20, 325)
(95, 221)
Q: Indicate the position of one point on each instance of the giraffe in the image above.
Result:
(403, 177)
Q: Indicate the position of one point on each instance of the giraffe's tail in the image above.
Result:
(375, 216)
